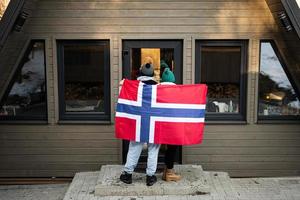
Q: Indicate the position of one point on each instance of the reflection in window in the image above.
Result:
(26, 96)
(220, 70)
(84, 79)
(84, 69)
(154, 56)
(276, 94)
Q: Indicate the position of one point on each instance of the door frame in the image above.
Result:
(177, 45)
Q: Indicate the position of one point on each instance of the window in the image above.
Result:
(156, 52)
(26, 96)
(154, 56)
(84, 91)
(277, 96)
(222, 66)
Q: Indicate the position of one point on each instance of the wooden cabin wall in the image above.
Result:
(60, 150)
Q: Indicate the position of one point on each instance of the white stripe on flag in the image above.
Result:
(137, 119)
(155, 104)
(139, 97)
(169, 119)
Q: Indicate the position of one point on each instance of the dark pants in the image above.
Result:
(170, 155)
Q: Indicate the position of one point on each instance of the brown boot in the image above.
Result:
(169, 175)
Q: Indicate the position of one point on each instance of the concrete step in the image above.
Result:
(193, 182)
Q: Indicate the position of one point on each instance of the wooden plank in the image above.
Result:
(58, 128)
(62, 5)
(38, 173)
(242, 158)
(225, 166)
(257, 128)
(252, 136)
(149, 13)
(59, 151)
(242, 151)
(53, 21)
(59, 158)
(250, 143)
(151, 29)
(114, 1)
(59, 143)
(30, 165)
(18, 135)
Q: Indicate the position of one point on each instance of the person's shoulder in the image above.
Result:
(147, 80)
(167, 83)
(150, 82)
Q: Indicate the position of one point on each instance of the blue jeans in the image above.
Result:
(133, 155)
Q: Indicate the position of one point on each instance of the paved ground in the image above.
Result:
(33, 192)
(221, 188)
(194, 181)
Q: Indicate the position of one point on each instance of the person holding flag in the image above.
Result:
(158, 114)
(135, 148)
(168, 78)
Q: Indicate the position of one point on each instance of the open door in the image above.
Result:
(138, 52)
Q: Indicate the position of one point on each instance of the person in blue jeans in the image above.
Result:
(135, 148)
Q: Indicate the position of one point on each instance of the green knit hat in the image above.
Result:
(168, 76)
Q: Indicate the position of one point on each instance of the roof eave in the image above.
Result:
(293, 12)
(7, 21)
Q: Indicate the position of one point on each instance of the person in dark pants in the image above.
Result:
(169, 174)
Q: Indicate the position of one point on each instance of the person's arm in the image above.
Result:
(120, 85)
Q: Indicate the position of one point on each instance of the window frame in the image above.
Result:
(243, 44)
(176, 44)
(28, 118)
(276, 119)
(83, 116)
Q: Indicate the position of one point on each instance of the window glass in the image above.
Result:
(26, 96)
(84, 79)
(276, 94)
(221, 64)
(154, 56)
(220, 70)
(84, 74)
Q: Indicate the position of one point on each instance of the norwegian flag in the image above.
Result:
(161, 114)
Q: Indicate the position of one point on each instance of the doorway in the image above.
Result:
(138, 52)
